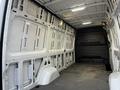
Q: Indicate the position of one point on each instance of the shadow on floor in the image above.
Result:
(80, 77)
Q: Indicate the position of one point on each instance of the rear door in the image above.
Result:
(91, 45)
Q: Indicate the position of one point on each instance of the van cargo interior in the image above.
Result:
(60, 44)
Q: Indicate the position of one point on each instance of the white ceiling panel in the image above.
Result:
(88, 11)
(95, 10)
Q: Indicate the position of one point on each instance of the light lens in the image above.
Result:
(78, 9)
(61, 23)
(86, 23)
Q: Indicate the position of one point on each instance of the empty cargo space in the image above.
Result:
(60, 44)
(90, 71)
(83, 76)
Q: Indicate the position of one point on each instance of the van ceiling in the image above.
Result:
(95, 11)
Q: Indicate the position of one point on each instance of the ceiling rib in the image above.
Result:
(39, 1)
(87, 26)
(94, 22)
(101, 12)
(87, 17)
(87, 5)
(79, 21)
(51, 2)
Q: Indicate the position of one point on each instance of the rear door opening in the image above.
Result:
(92, 46)
(60, 44)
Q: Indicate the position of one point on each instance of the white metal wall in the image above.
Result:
(115, 42)
(114, 34)
(34, 38)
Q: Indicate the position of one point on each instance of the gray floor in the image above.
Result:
(80, 77)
